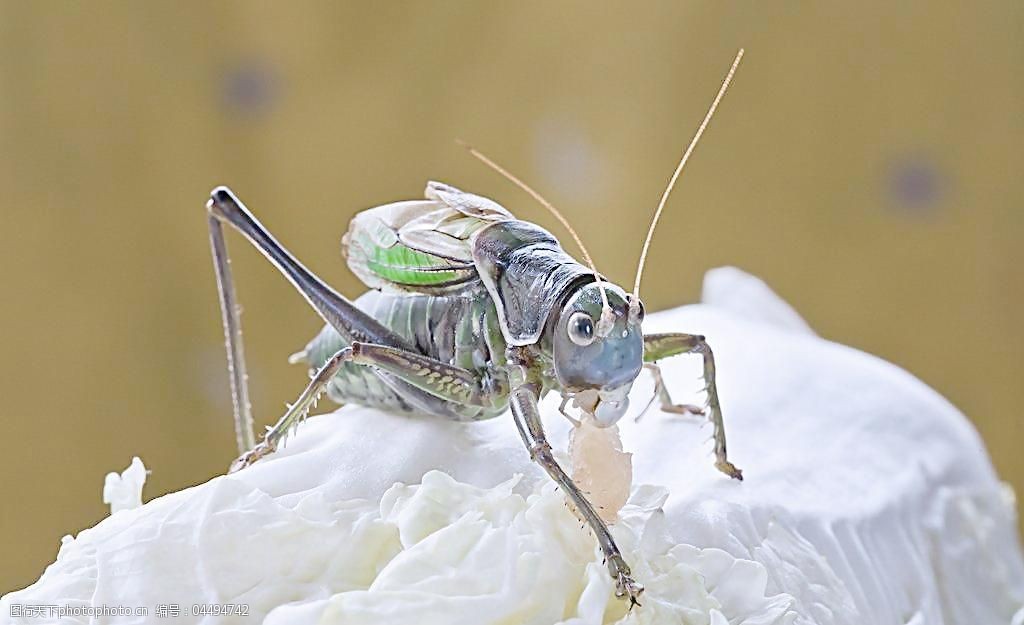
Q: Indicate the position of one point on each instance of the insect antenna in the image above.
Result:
(634, 303)
(604, 325)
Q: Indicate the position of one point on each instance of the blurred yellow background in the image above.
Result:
(866, 164)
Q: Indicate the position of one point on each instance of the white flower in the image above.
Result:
(490, 556)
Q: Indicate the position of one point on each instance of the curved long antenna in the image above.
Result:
(635, 299)
(604, 325)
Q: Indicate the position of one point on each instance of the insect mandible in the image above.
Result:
(471, 312)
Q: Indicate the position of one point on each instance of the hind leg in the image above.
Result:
(349, 321)
(444, 382)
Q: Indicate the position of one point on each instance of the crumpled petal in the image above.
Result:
(124, 491)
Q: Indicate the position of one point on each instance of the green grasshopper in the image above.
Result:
(471, 312)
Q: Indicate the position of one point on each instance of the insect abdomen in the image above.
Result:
(459, 330)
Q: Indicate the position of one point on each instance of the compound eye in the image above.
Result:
(581, 329)
(641, 312)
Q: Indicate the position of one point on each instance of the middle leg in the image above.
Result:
(446, 383)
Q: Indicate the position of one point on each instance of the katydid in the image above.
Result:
(471, 312)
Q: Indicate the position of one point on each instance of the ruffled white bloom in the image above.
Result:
(868, 499)
(441, 552)
(489, 556)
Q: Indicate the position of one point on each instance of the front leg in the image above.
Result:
(658, 346)
(523, 401)
(664, 398)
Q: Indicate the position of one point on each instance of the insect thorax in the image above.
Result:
(527, 274)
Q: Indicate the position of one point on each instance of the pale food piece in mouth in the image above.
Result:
(602, 470)
(606, 406)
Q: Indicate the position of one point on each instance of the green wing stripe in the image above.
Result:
(402, 265)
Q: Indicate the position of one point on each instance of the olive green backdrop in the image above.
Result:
(867, 164)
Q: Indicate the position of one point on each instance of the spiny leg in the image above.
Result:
(523, 401)
(232, 338)
(296, 412)
(349, 321)
(442, 381)
(658, 346)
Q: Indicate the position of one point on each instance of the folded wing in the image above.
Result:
(420, 245)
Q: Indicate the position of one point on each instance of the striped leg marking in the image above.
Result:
(441, 380)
